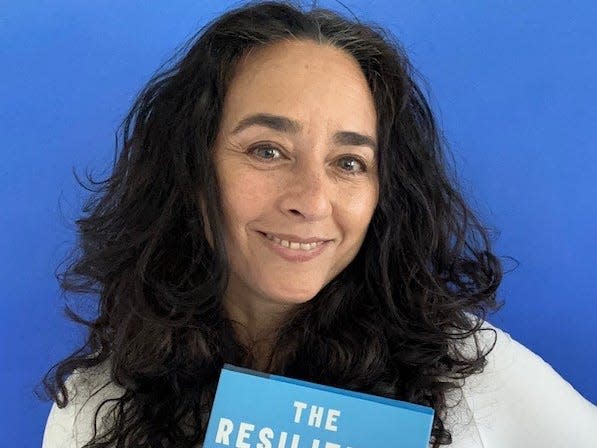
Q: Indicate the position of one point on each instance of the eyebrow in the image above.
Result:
(289, 126)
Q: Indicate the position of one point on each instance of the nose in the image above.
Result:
(307, 192)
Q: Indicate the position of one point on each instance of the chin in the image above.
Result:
(293, 296)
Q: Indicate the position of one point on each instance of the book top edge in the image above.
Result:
(364, 396)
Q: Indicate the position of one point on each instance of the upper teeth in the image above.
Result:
(292, 244)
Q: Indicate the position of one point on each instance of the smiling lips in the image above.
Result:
(293, 244)
(296, 251)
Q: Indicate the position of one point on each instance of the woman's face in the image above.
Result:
(296, 160)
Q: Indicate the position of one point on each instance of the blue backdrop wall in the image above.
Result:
(512, 83)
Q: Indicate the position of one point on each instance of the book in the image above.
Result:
(252, 409)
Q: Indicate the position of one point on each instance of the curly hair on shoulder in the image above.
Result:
(385, 325)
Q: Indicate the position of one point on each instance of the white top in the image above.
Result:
(518, 401)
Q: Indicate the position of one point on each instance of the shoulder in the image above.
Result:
(519, 400)
(73, 425)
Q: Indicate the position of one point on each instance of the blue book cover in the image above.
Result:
(257, 410)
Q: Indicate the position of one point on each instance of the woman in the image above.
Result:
(281, 202)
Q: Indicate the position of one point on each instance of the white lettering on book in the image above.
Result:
(333, 414)
(299, 407)
(267, 435)
(225, 427)
(315, 415)
(244, 432)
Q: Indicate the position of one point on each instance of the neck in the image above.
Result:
(255, 319)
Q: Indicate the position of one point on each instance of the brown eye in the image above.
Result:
(353, 165)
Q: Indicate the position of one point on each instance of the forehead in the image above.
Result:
(309, 82)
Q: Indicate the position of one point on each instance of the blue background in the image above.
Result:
(513, 86)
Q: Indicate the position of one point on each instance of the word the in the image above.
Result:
(315, 416)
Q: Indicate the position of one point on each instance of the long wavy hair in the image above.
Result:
(386, 325)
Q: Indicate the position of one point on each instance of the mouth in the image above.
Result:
(294, 245)
(294, 251)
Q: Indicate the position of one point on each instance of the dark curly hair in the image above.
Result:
(424, 278)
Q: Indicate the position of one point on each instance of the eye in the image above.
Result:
(267, 152)
(354, 166)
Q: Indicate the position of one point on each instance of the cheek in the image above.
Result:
(357, 207)
(246, 196)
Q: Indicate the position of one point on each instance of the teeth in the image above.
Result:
(292, 244)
